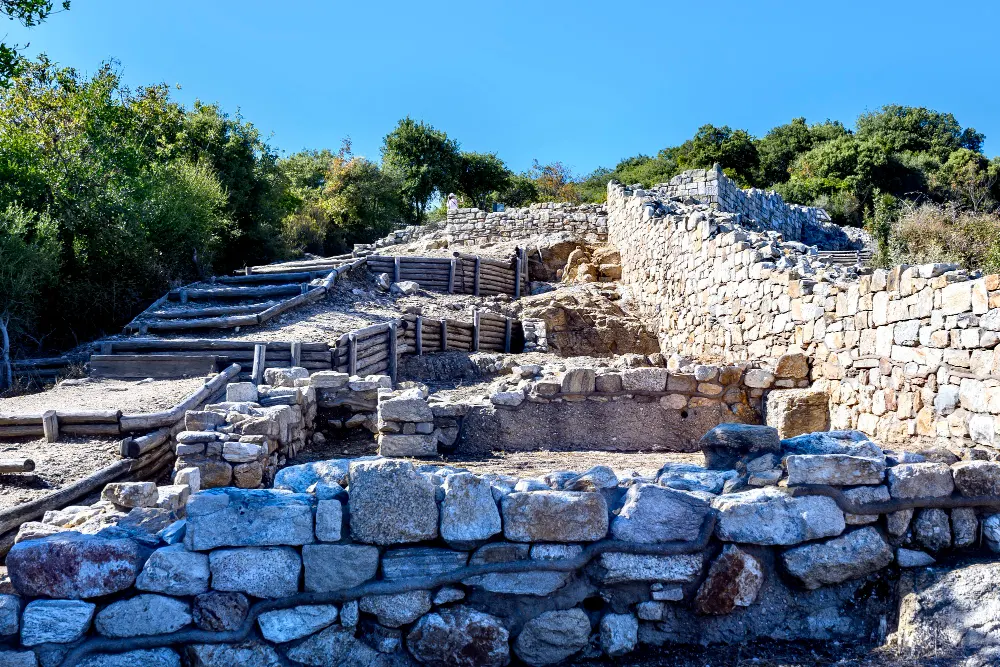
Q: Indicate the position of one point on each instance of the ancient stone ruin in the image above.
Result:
(840, 425)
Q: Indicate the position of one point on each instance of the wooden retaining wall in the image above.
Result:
(462, 274)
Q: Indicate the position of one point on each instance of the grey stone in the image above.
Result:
(619, 634)
(145, 614)
(421, 562)
(733, 580)
(196, 437)
(156, 657)
(770, 516)
(390, 444)
(175, 571)
(896, 523)
(644, 379)
(595, 479)
(310, 477)
(690, 477)
(964, 527)
(391, 503)
(10, 612)
(460, 637)
(555, 516)
(263, 572)
(337, 646)
(247, 653)
(239, 392)
(854, 555)
(203, 420)
(579, 381)
(284, 377)
(468, 513)
(555, 551)
(285, 625)
(849, 443)
(553, 636)
(977, 478)
(397, 609)
(231, 517)
(55, 621)
(241, 452)
(834, 469)
(865, 495)
(728, 444)
(447, 595)
(622, 567)
(218, 611)
(539, 583)
(912, 558)
(71, 565)
(332, 567)
(654, 513)
(131, 494)
(920, 480)
(329, 520)
(931, 529)
(18, 658)
(405, 410)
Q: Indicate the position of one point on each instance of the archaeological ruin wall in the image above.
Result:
(470, 226)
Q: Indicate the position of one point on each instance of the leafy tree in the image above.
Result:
(521, 190)
(481, 175)
(424, 160)
(779, 148)
(29, 13)
(896, 129)
(733, 149)
(554, 182)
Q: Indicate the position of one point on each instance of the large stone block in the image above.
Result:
(727, 444)
(460, 637)
(71, 565)
(468, 513)
(404, 409)
(285, 625)
(248, 517)
(920, 480)
(332, 567)
(856, 554)
(55, 621)
(175, 571)
(403, 445)
(653, 513)
(421, 562)
(771, 516)
(644, 379)
(391, 503)
(835, 469)
(245, 654)
(797, 411)
(579, 381)
(977, 478)
(397, 609)
(733, 580)
(263, 572)
(10, 612)
(145, 614)
(623, 567)
(553, 636)
(555, 516)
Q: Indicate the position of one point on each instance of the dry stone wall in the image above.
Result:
(377, 561)
(470, 226)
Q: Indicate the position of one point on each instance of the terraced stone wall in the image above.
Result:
(375, 561)
(470, 226)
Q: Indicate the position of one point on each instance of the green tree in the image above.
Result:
(29, 13)
(521, 190)
(895, 129)
(733, 149)
(424, 160)
(780, 147)
(481, 176)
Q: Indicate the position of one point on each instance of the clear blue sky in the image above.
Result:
(583, 82)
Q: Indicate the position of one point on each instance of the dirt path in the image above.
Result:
(92, 394)
(57, 464)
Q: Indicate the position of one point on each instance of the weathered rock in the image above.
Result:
(912, 558)
(331, 567)
(920, 480)
(595, 479)
(734, 579)
(896, 523)
(835, 469)
(579, 381)
(644, 379)
(156, 657)
(850, 443)
(284, 377)
(619, 634)
(622, 567)
(931, 529)
(854, 555)
(337, 646)
(329, 520)
(393, 444)
(285, 625)
(865, 495)
(145, 614)
(263, 572)
(10, 612)
(555, 516)
(553, 636)
(792, 365)
(728, 444)
(55, 621)
(131, 494)
(460, 637)
(796, 411)
(213, 473)
(447, 595)
(405, 409)
(538, 583)
(977, 478)
(397, 609)
(964, 527)
(421, 562)
(245, 518)
(770, 516)
(468, 513)
(218, 611)
(175, 571)
(18, 658)
(71, 565)
(320, 477)
(246, 653)
(690, 477)
(391, 503)
(653, 514)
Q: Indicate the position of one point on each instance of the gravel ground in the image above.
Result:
(57, 464)
(129, 396)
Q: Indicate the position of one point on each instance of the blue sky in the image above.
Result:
(583, 82)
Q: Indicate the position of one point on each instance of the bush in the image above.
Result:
(935, 233)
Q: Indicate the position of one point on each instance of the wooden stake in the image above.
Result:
(419, 336)
(259, 358)
(50, 426)
(517, 276)
(395, 270)
(392, 351)
(506, 336)
(352, 354)
(475, 330)
(451, 276)
(296, 353)
(444, 335)
(475, 284)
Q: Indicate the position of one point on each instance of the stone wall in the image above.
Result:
(470, 226)
(910, 352)
(375, 561)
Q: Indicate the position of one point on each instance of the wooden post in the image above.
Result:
(248, 270)
(451, 276)
(303, 288)
(50, 425)
(418, 334)
(475, 330)
(517, 276)
(296, 353)
(107, 347)
(352, 354)
(524, 266)
(475, 284)
(506, 336)
(392, 351)
(183, 295)
(395, 269)
(444, 335)
(16, 465)
(259, 357)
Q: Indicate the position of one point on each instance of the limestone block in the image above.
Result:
(390, 503)
(331, 567)
(920, 480)
(55, 621)
(652, 513)
(851, 556)
(796, 411)
(285, 625)
(263, 572)
(146, 614)
(727, 444)
(644, 379)
(397, 609)
(468, 511)
(835, 469)
(131, 494)
(239, 517)
(770, 516)
(622, 567)
(415, 445)
(421, 562)
(175, 571)
(555, 516)
(71, 565)
(553, 636)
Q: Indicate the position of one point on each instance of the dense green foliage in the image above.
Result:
(29, 13)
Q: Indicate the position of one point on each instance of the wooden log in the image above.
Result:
(89, 429)
(517, 274)
(352, 352)
(475, 287)
(229, 322)
(256, 278)
(393, 352)
(241, 292)
(295, 354)
(380, 351)
(452, 266)
(303, 298)
(22, 431)
(506, 337)
(65, 417)
(418, 335)
(152, 365)
(377, 366)
(395, 270)
(133, 448)
(485, 260)
(16, 465)
(365, 332)
(259, 359)
(475, 330)
(209, 311)
(206, 344)
(154, 420)
(22, 364)
(444, 334)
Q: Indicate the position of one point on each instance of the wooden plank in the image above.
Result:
(152, 365)
(295, 358)
(89, 429)
(517, 281)
(206, 344)
(50, 426)
(393, 361)
(259, 359)
(241, 292)
(395, 270)
(418, 335)
(16, 465)
(451, 276)
(506, 337)
(201, 323)
(475, 330)
(352, 354)
(256, 278)
(475, 284)
(209, 311)
(444, 334)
